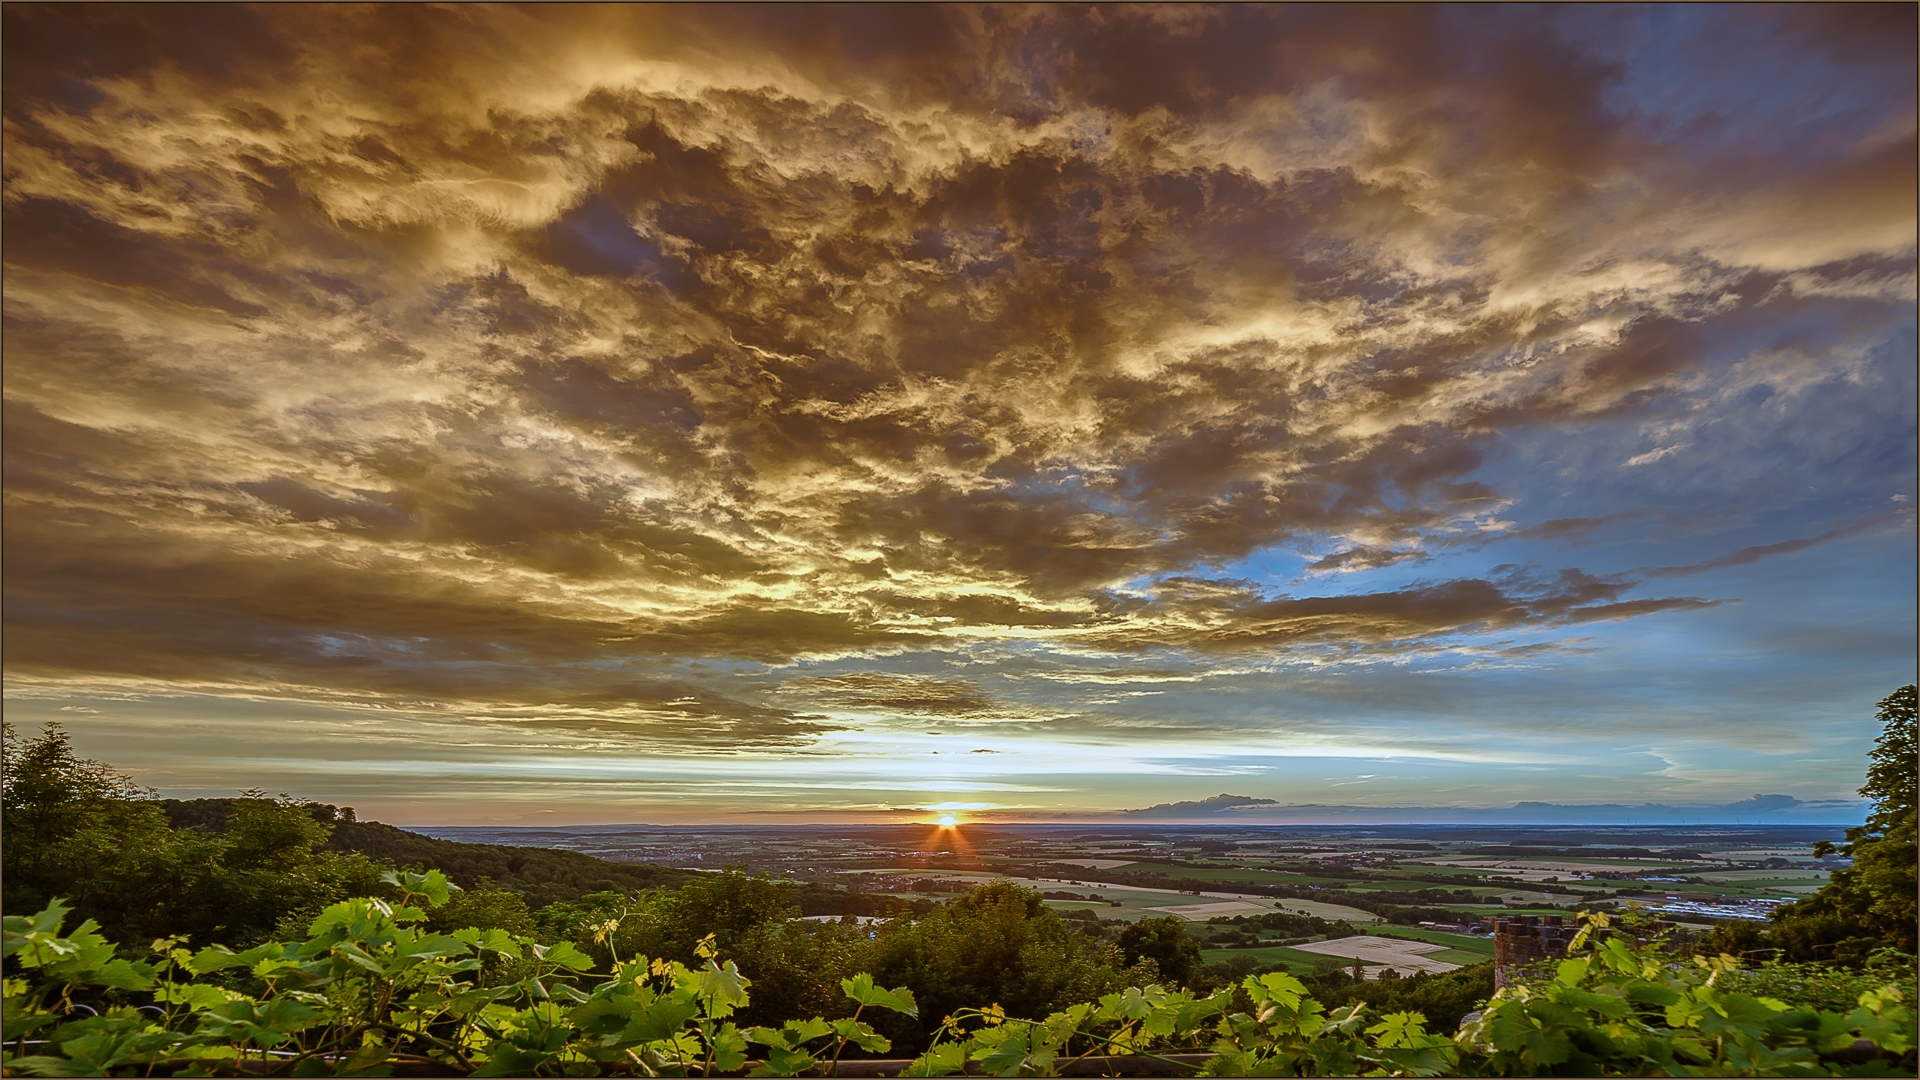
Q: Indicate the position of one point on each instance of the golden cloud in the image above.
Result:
(512, 357)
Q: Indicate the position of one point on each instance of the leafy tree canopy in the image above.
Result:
(1872, 904)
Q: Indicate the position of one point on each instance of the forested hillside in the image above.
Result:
(541, 875)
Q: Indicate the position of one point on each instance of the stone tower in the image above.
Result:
(1519, 940)
(1522, 939)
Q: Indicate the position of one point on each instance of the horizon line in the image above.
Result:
(1144, 824)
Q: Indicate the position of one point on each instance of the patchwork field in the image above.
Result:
(1478, 946)
(1815, 878)
(1199, 871)
(1326, 910)
(1295, 961)
(1208, 911)
(1399, 954)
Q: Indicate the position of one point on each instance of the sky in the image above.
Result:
(548, 415)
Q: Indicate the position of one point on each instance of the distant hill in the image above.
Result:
(1754, 810)
(1222, 805)
(542, 875)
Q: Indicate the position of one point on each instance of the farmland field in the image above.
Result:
(1297, 962)
(1354, 874)
(1482, 946)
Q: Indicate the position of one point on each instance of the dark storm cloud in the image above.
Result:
(504, 356)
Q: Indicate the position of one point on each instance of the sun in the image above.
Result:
(947, 821)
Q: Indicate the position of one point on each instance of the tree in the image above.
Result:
(269, 873)
(49, 794)
(999, 944)
(1164, 941)
(1872, 903)
(1894, 776)
(74, 828)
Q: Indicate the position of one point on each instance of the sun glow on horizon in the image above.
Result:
(947, 821)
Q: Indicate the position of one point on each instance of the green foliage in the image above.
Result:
(727, 906)
(1287, 924)
(1735, 937)
(1131, 1021)
(1164, 941)
(788, 1052)
(415, 972)
(79, 831)
(1872, 904)
(541, 876)
(1883, 871)
(1443, 999)
(372, 986)
(1824, 986)
(72, 827)
(998, 944)
(1625, 1010)
(51, 794)
(1894, 771)
(75, 829)
(246, 869)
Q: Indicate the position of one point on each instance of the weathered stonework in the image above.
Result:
(1523, 939)
(1519, 940)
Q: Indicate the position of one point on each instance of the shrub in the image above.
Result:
(371, 987)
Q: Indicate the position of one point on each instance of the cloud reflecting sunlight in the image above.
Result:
(696, 413)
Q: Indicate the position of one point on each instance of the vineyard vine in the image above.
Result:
(370, 990)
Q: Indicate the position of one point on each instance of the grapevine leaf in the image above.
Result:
(942, 1060)
(791, 1035)
(511, 1060)
(661, 1018)
(567, 956)
(1605, 1004)
(860, 1035)
(122, 975)
(493, 940)
(723, 987)
(216, 958)
(863, 992)
(196, 995)
(19, 1019)
(1508, 1026)
(728, 1048)
(432, 885)
(1398, 1030)
(47, 1065)
(1007, 1055)
(1129, 1004)
(783, 1062)
(18, 931)
(432, 946)
(1278, 987)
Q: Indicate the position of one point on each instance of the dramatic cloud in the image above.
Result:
(710, 379)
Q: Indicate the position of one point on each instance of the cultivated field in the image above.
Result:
(1380, 953)
(1206, 871)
